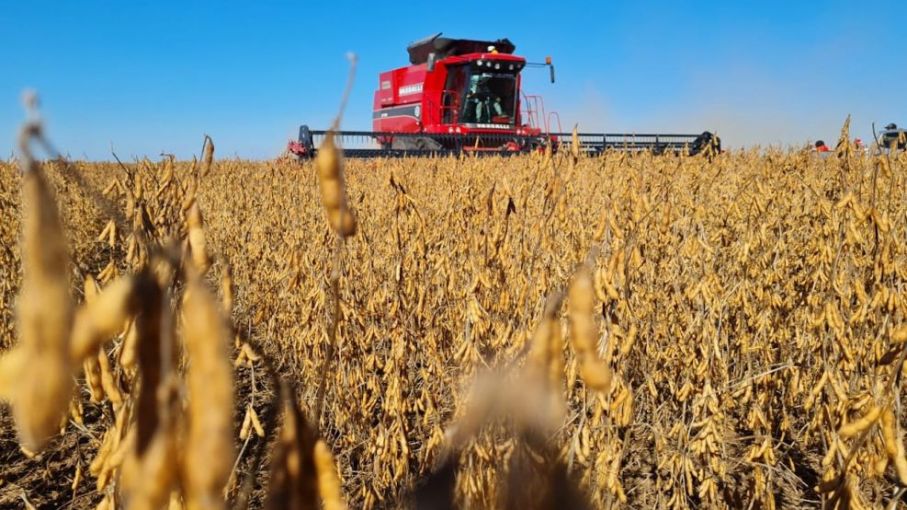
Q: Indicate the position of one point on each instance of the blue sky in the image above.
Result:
(153, 76)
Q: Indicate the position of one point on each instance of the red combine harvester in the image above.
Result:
(460, 95)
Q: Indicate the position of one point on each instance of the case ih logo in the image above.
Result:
(410, 89)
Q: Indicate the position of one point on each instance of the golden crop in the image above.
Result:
(619, 331)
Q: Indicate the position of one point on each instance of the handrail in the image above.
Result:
(531, 114)
(557, 116)
(454, 107)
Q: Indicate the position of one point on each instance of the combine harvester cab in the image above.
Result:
(462, 95)
(457, 95)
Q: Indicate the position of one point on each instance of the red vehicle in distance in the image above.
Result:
(463, 95)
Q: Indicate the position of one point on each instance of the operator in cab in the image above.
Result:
(481, 100)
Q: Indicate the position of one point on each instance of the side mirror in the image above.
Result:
(431, 61)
